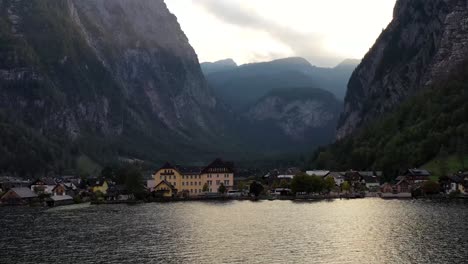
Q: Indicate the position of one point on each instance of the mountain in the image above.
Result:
(406, 102)
(101, 79)
(243, 85)
(217, 66)
(291, 120)
(424, 43)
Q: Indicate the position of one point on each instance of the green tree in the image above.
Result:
(329, 184)
(222, 189)
(430, 187)
(284, 184)
(346, 187)
(241, 186)
(303, 183)
(442, 162)
(256, 188)
(205, 187)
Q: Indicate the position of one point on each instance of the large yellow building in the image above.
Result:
(191, 180)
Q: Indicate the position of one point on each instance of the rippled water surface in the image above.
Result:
(340, 231)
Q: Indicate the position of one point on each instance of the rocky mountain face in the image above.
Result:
(296, 112)
(276, 106)
(425, 42)
(118, 75)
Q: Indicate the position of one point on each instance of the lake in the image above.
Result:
(338, 231)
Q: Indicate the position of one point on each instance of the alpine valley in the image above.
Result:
(84, 83)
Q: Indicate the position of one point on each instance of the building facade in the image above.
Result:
(191, 181)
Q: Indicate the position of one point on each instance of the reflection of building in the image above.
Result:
(190, 181)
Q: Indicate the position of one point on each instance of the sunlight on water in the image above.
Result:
(341, 231)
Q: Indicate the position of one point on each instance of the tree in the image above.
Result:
(205, 187)
(303, 183)
(431, 187)
(329, 184)
(345, 186)
(222, 189)
(256, 188)
(241, 186)
(442, 159)
(284, 184)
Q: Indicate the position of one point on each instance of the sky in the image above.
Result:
(323, 31)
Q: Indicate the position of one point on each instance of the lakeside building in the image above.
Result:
(172, 180)
(18, 196)
(43, 186)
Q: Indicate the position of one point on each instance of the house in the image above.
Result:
(218, 172)
(416, 176)
(99, 185)
(8, 182)
(165, 189)
(319, 173)
(337, 176)
(43, 186)
(190, 181)
(18, 196)
(118, 193)
(402, 189)
(454, 183)
(372, 182)
(58, 200)
(386, 188)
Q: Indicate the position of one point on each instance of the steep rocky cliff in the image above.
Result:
(296, 112)
(101, 78)
(290, 120)
(425, 41)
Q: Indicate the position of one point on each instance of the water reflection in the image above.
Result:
(342, 231)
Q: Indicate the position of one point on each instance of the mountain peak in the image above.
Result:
(218, 66)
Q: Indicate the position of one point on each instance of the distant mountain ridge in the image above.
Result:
(242, 85)
(218, 66)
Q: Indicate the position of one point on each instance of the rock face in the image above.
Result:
(423, 43)
(119, 70)
(292, 120)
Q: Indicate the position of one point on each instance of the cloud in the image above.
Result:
(304, 44)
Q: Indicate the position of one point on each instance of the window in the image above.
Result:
(226, 182)
(191, 183)
(199, 183)
(217, 175)
(183, 183)
(210, 182)
(218, 182)
(191, 190)
(175, 183)
(196, 190)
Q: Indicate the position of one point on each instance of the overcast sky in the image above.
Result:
(322, 31)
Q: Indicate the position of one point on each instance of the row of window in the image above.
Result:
(191, 183)
(218, 170)
(217, 176)
(226, 183)
(191, 176)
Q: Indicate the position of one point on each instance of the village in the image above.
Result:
(218, 180)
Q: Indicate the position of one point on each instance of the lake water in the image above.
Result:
(339, 231)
